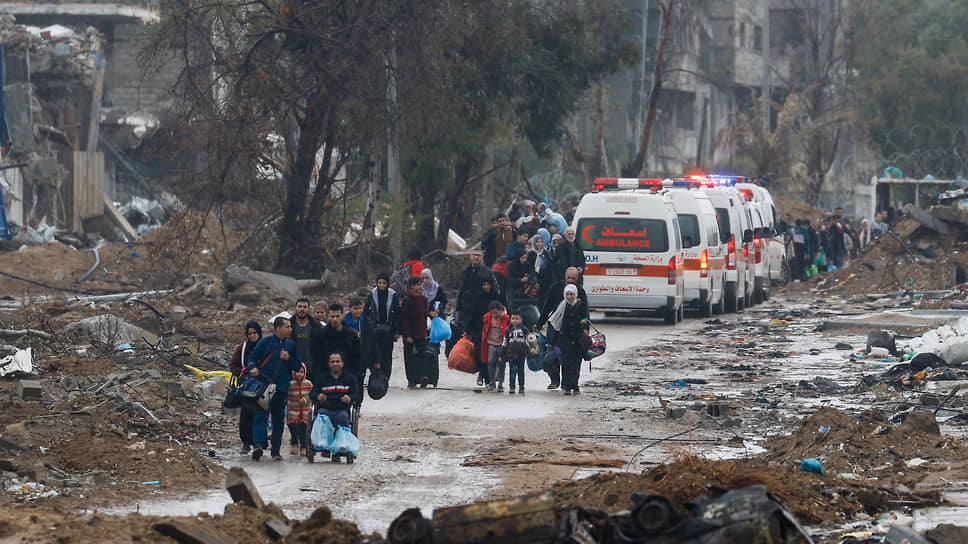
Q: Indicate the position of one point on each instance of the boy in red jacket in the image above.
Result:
(492, 341)
(413, 327)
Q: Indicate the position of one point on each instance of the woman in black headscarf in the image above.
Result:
(253, 332)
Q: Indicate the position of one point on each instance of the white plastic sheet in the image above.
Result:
(22, 361)
(950, 342)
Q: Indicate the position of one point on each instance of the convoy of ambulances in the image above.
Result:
(629, 231)
(654, 247)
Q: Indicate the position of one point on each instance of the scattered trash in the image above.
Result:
(811, 465)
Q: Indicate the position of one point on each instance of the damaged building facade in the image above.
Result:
(75, 99)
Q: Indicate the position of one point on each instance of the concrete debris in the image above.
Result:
(30, 390)
(111, 330)
(276, 286)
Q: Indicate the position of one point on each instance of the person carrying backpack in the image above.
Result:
(400, 279)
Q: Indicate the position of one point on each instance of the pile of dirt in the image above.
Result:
(239, 523)
(872, 449)
(808, 496)
(911, 259)
(190, 243)
(797, 209)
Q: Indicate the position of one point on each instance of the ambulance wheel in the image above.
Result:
(721, 306)
(681, 314)
(707, 308)
(670, 316)
(732, 304)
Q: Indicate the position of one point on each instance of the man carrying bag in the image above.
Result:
(274, 358)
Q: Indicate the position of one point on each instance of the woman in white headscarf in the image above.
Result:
(569, 324)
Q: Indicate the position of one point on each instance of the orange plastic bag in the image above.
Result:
(462, 357)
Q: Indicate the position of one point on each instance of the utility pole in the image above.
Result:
(767, 83)
(640, 114)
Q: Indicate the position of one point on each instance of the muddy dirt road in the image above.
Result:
(716, 388)
(415, 443)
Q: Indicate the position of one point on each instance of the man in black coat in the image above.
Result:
(336, 337)
(569, 254)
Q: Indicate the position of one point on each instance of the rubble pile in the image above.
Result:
(913, 264)
(106, 430)
(182, 252)
(238, 523)
(872, 450)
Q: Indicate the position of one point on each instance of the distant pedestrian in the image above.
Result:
(275, 358)
(433, 292)
(516, 350)
(299, 410)
(237, 365)
(556, 295)
(864, 237)
(336, 392)
(353, 319)
(522, 287)
(569, 323)
(337, 337)
(571, 254)
(471, 317)
(381, 325)
(519, 244)
(494, 326)
(303, 329)
(413, 326)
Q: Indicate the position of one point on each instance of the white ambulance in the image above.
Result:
(703, 251)
(772, 238)
(629, 231)
(737, 233)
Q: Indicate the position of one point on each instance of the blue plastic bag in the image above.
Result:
(345, 442)
(322, 435)
(535, 361)
(439, 330)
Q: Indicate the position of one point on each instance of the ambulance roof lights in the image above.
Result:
(602, 184)
(725, 181)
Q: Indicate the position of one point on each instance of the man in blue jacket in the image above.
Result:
(274, 357)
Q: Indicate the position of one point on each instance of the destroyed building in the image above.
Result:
(75, 100)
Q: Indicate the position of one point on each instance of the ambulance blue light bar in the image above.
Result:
(725, 181)
(603, 184)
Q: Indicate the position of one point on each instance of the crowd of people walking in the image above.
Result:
(525, 278)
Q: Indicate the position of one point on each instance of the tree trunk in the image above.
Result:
(634, 169)
(597, 167)
(367, 232)
(301, 220)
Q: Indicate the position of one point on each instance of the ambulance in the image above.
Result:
(629, 231)
(769, 239)
(736, 232)
(703, 252)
